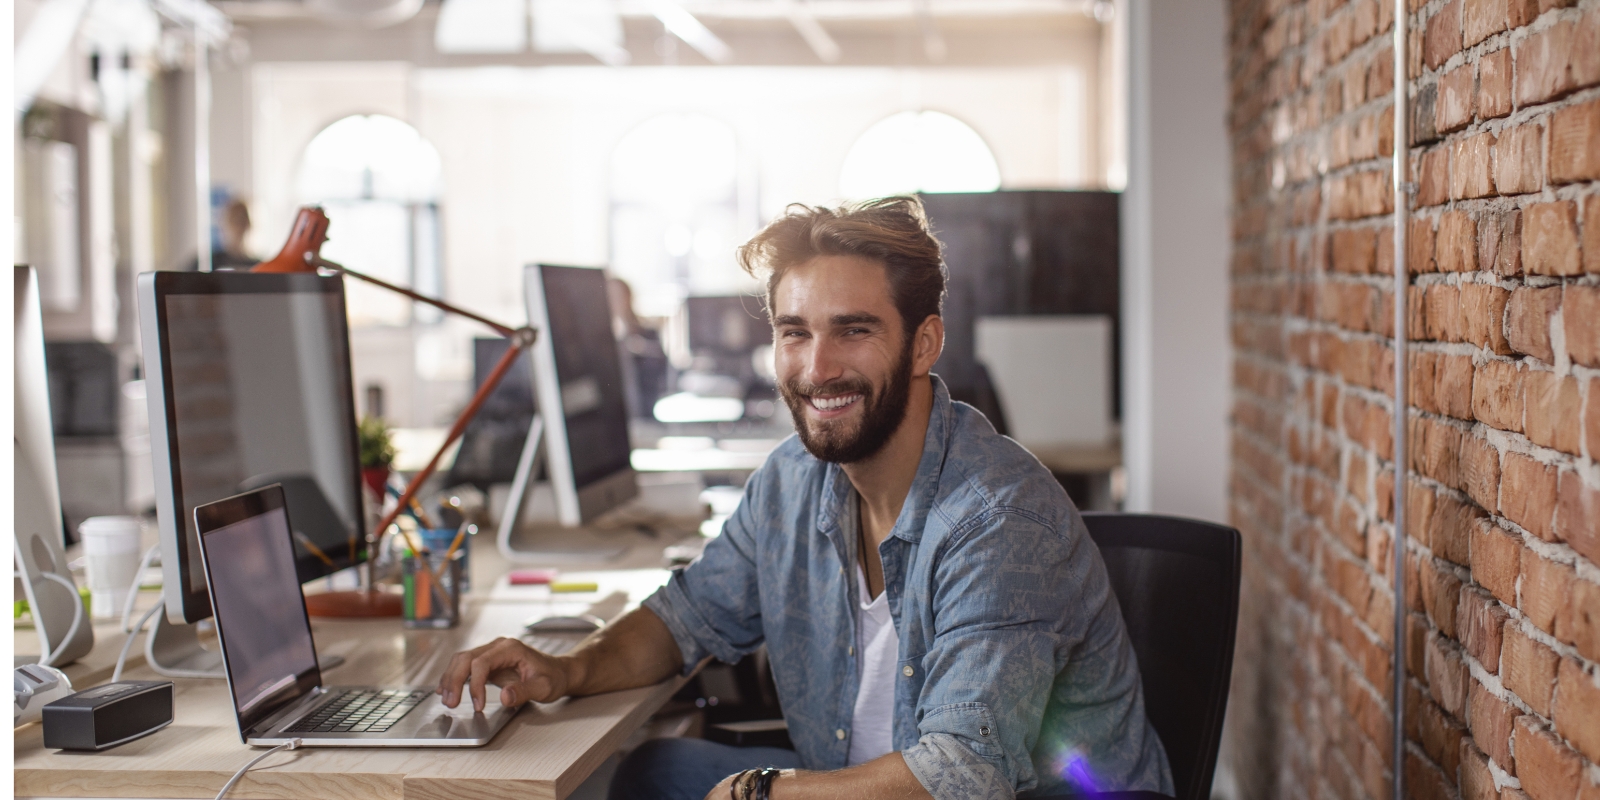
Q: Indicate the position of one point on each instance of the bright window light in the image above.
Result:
(481, 26)
(918, 151)
(369, 157)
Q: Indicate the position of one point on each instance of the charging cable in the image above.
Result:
(49, 657)
(133, 635)
(127, 611)
(289, 745)
(133, 591)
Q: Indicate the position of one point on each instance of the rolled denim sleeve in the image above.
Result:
(1012, 593)
(712, 607)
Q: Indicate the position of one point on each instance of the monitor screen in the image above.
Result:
(253, 388)
(578, 370)
(735, 324)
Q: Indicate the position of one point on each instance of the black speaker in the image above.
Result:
(106, 716)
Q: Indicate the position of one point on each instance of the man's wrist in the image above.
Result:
(786, 778)
(575, 670)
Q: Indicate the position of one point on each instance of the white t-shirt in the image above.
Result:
(878, 650)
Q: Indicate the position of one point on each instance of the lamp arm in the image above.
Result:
(319, 261)
(520, 340)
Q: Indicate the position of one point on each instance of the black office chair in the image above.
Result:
(1177, 581)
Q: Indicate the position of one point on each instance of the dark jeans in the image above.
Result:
(686, 769)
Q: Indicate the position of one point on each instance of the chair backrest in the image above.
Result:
(1177, 581)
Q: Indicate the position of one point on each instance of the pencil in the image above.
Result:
(315, 550)
(461, 536)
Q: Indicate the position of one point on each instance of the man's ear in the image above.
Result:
(927, 344)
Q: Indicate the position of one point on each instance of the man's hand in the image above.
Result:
(521, 672)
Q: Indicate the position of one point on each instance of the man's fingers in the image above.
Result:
(456, 673)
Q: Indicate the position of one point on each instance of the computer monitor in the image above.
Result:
(248, 384)
(577, 377)
(732, 325)
(38, 523)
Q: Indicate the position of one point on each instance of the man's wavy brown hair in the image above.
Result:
(893, 231)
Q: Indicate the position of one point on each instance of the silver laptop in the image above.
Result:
(271, 660)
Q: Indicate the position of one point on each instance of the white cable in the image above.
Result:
(133, 635)
(289, 745)
(48, 658)
(133, 591)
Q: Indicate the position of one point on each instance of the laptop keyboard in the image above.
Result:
(360, 711)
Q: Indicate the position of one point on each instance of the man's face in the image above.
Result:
(844, 362)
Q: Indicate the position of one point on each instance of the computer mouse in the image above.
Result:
(583, 623)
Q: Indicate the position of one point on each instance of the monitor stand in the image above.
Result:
(520, 486)
(173, 650)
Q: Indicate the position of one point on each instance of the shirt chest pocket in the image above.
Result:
(973, 723)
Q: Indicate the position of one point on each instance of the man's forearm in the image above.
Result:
(886, 776)
(636, 650)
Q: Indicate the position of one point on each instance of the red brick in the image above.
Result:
(1450, 529)
(1481, 19)
(1528, 494)
(1441, 596)
(1481, 621)
(1528, 317)
(1483, 313)
(1436, 450)
(1521, 12)
(1440, 736)
(1550, 239)
(1433, 177)
(1419, 247)
(1575, 143)
(1579, 620)
(1545, 62)
(1591, 418)
(1528, 668)
(1496, 561)
(1424, 781)
(1577, 517)
(1494, 84)
(1552, 410)
(1497, 395)
(1442, 37)
(1492, 721)
(1549, 770)
(1479, 471)
(1453, 109)
(1500, 242)
(1577, 709)
(1456, 248)
(1352, 250)
(1477, 783)
(1580, 315)
(1546, 588)
(1591, 234)
(1519, 159)
(1452, 388)
(1447, 675)
(1471, 167)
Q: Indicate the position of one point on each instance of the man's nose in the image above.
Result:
(822, 362)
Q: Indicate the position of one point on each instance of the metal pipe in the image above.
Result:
(1401, 451)
(202, 148)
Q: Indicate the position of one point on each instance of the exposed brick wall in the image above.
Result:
(1503, 609)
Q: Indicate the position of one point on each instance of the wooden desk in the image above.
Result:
(545, 752)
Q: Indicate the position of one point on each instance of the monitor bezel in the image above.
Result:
(189, 604)
(214, 516)
(575, 505)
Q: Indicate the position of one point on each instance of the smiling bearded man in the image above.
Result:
(938, 621)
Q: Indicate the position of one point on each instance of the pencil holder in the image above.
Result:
(432, 591)
(439, 540)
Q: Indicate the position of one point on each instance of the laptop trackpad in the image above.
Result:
(435, 721)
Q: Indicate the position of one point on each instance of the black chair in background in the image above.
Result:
(1177, 581)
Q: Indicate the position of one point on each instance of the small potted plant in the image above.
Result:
(377, 453)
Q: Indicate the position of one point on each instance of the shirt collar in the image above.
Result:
(919, 500)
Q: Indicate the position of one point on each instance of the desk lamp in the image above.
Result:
(303, 253)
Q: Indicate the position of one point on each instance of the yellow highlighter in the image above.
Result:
(569, 587)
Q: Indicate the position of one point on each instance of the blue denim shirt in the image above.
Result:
(1015, 670)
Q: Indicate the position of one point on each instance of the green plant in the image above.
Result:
(377, 447)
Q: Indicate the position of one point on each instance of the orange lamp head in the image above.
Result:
(304, 247)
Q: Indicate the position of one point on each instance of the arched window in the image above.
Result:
(675, 211)
(918, 151)
(378, 180)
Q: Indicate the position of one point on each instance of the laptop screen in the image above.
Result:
(255, 594)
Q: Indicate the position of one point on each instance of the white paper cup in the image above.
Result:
(111, 550)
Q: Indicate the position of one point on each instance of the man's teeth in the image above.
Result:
(831, 403)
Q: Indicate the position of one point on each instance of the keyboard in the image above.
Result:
(360, 711)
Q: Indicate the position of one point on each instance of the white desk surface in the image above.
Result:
(545, 752)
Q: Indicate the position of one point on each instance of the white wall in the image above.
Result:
(1175, 270)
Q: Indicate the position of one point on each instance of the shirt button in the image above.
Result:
(907, 671)
(852, 650)
(983, 731)
(839, 734)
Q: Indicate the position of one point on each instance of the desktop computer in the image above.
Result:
(249, 385)
(58, 613)
(582, 421)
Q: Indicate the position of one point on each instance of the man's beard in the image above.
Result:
(880, 418)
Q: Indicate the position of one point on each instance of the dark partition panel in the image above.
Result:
(1024, 252)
